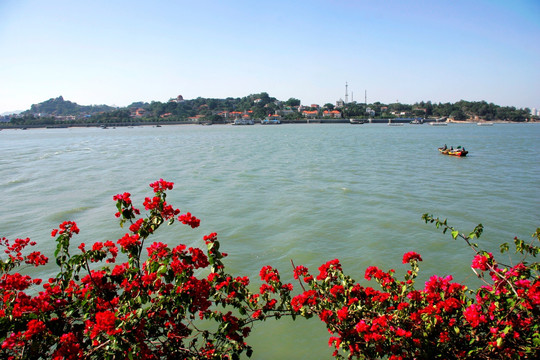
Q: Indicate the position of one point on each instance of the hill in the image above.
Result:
(61, 107)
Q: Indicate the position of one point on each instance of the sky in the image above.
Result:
(116, 52)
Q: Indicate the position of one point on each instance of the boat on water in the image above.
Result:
(270, 122)
(243, 122)
(484, 124)
(438, 122)
(459, 151)
(357, 121)
(417, 122)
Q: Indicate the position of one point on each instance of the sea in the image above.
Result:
(302, 193)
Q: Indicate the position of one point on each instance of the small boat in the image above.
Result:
(417, 122)
(243, 122)
(270, 122)
(357, 121)
(438, 122)
(484, 124)
(459, 151)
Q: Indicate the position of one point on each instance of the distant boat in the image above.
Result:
(417, 122)
(270, 122)
(484, 124)
(459, 151)
(438, 122)
(357, 121)
(243, 122)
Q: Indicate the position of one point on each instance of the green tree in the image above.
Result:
(292, 102)
(458, 115)
(329, 106)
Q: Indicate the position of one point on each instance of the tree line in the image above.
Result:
(56, 112)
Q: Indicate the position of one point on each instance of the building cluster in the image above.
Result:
(309, 112)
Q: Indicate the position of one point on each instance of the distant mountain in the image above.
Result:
(61, 107)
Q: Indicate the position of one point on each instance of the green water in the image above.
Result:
(309, 193)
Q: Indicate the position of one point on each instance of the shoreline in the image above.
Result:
(284, 122)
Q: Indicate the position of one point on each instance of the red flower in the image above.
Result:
(210, 238)
(127, 241)
(443, 337)
(372, 271)
(270, 305)
(343, 313)
(473, 314)
(134, 228)
(411, 256)
(325, 315)
(190, 220)
(198, 258)
(308, 297)
(35, 258)
(362, 326)
(336, 290)
(105, 322)
(268, 274)
(69, 227)
(125, 197)
(34, 327)
(323, 269)
(481, 261)
(161, 185)
(300, 270)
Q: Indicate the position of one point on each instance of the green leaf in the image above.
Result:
(455, 234)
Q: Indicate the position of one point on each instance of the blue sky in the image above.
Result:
(116, 52)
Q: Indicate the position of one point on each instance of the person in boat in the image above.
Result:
(445, 147)
(451, 148)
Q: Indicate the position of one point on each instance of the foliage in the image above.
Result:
(179, 302)
(61, 112)
(292, 102)
(59, 107)
(162, 307)
(443, 320)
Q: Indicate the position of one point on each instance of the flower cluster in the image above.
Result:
(444, 319)
(161, 185)
(190, 220)
(145, 308)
